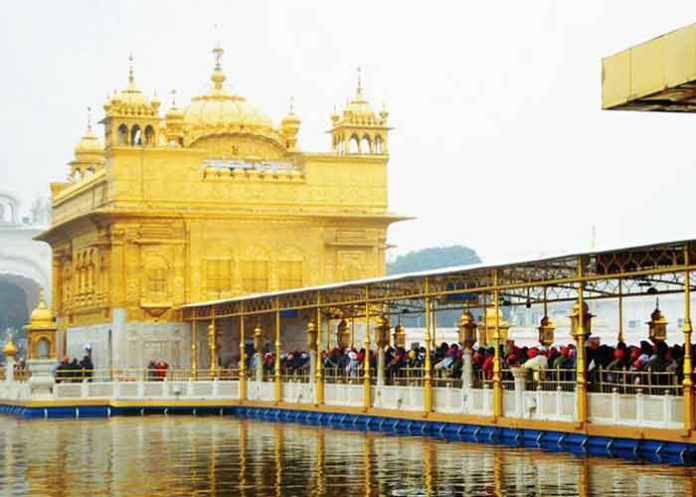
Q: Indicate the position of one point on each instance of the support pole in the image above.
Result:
(427, 376)
(497, 373)
(194, 347)
(621, 316)
(352, 332)
(688, 367)
(242, 358)
(367, 395)
(581, 368)
(319, 379)
(276, 368)
(212, 339)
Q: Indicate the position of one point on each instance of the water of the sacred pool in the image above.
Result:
(224, 456)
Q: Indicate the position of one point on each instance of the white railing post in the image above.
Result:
(615, 399)
(667, 408)
(520, 379)
(84, 389)
(640, 406)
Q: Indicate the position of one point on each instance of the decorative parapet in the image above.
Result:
(267, 172)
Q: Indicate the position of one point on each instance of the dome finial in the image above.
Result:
(89, 121)
(218, 76)
(173, 92)
(131, 78)
(292, 105)
(360, 88)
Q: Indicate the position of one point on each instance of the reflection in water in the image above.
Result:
(167, 456)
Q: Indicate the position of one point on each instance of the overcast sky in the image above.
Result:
(499, 139)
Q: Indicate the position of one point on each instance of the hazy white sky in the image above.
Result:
(500, 143)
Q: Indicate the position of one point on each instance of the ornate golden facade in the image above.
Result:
(211, 201)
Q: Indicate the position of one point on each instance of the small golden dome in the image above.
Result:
(131, 101)
(41, 317)
(359, 110)
(174, 114)
(89, 144)
(466, 319)
(10, 350)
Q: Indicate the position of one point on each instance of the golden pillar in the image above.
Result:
(242, 358)
(580, 329)
(688, 367)
(621, 318)
(427, 376)
(352, 332)
(367, 395)
(276, 368)
(194, 346)
(497, 373)
(258, 350)
(212, 339)
(319, 377)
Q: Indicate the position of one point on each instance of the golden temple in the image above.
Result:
(209, 201)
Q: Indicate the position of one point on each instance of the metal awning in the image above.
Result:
(656, 268)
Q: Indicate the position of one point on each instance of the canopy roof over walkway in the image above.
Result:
(654, 269)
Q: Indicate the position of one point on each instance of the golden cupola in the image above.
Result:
(10, 349)
(89, 153)
(289, 127)
(174, 123)
(41, 331)
(227, 124)
(358, 130)
(132, 119)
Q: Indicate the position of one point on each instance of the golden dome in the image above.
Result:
(220, 111)
(41, 317)
(174, 114)
(89, 144)
(131, 101)
(359, 110)
(10, 350)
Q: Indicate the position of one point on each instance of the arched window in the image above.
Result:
(43, 348)
(379, 145)
(136, 136)
(122, 135)
(354, 145)
(366, 145)
(149, 135)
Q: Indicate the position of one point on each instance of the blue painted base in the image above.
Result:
(638, 450)
(624, 448)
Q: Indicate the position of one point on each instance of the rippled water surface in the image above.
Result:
(214, 456)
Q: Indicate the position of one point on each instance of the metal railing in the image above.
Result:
(295, 375)
(552, 380)
(143, 374)
(631, 382)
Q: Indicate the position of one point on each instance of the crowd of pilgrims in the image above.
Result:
(70, 370)
(447, 360)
